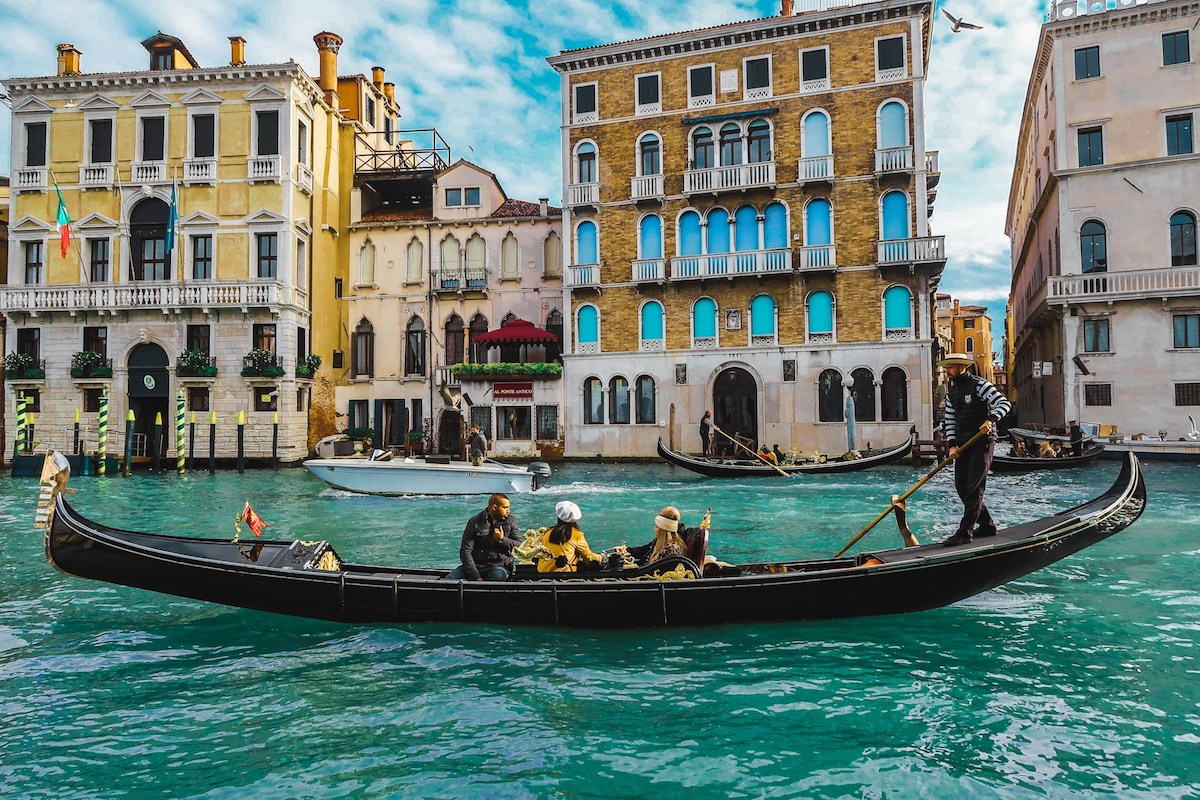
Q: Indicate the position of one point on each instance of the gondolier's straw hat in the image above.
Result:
(567, 511)
(956, 359)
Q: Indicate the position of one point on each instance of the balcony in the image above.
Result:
(1130, 285)
(738, 176)
(92, 175)
(583, 194)
(649, 270)
(149, 172)
(816, 169)
(304, 178)
(702, 101)
(729, 265)
(469, 279)
(893, 159)
(933, 172)
(263, 168)
(582, 275)
(652, 345)
(199, 170)
(904, 252)
(417, 151)
(30, 179)
(262, 364)
(646, 187)
(164, 297)
(817, 258)
(894, 74)
(815, 85)
(648, 108)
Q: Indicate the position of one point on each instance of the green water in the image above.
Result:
(1079, 681)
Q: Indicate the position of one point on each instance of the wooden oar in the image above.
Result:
(753, 453)
(898, 501)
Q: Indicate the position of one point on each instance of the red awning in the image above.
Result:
(518, 331)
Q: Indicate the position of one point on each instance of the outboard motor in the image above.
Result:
(541, 474)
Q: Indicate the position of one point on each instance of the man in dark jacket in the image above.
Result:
(487, 544)
(973, 405)
(706, 432)
(477, 445)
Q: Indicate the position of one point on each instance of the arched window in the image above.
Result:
(702, 149)
(476, 350)
(587, 323)
(649, 155)
(585, 163)
(451, 277)
(818, 222)
(651, 324)
(820, 317)
(762, 319)
(593, 402)
(893, 125)
(1093, 247)
(362, 360)
(414, 347)
(1183, 239)
(618, 401)
(829, 397)
(815, 134)
(718, 231)
(704, 323)
(650, 243)
(897, 313)
(552, 256)
(366, 264)
(731, 144)
(644, 401)
(554, 324)
(970, 343)
(510, 265)
(895, 216)
(476, 261)
(416, 261)
(775, 226)
(454, 339)
(863, 392)
(689, 233)
(148, 234)
(895, 395)
(745, 229)
(586, 250)
(758, 141)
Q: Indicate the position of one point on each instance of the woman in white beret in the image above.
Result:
(568, 548)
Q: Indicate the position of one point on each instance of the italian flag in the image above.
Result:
(64, 222)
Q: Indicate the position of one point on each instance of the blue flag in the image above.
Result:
(172, 220)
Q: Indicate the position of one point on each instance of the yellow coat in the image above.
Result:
(574, 549)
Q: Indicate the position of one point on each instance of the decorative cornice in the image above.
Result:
(134, 80)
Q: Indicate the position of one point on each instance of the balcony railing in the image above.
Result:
(464, 279)
(583, 275)
(724, 265)
(645, 186)
(648, 108)
(96, 175)
(702, 101)
(100, 369)
(1164, 282)
(304, 178)
(815, 168)
(817, 257)
(583, 194)
(738, 176)
(159, 296)
(932, 171)
(149, 172)
(894, 159)
(263, 168)
(31, 179)
(894, 74)
(652, 344)
(908, 251)
(815, 85)
(200, 170)
(262, 366)
(649, 269)
(416, 150)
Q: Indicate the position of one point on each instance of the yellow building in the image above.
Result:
(746, 229)
(206, 209)
(967, 329)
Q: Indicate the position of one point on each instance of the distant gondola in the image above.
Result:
(1012, 463)
(309, 579)
(757, 468)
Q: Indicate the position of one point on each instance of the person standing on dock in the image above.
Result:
(706, 432)
(972, 405)
(1076, 434)
(477, 445)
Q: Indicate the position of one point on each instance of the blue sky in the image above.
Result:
(476, 71)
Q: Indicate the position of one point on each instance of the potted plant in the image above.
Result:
(21, 365)
(261, 363)
(307, 368)
(195, 364)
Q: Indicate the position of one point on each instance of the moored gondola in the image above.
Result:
(309, 579)
(745, 468)
(1011, 463)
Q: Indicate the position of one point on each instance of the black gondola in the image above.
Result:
(1011, 463)
(745, 468)
(308, 579)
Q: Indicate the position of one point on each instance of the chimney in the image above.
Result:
(327, 47)
(544, 206)
(377, 78)
(68, 59)
(389, 91)
(788, 8)
(237, 51)
(956, 306)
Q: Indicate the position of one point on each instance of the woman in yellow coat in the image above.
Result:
(565, 543)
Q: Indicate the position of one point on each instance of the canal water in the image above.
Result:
(1079, 681)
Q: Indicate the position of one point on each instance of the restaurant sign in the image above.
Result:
(513, 390)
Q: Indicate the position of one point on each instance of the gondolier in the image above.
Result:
(972, 405)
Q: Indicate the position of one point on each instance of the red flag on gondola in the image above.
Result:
(252, 519)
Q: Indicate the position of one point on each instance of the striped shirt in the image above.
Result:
(997, 405)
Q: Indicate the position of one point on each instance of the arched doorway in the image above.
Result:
(149, 393)
(735, 406)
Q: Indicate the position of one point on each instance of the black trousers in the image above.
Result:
(970, 480)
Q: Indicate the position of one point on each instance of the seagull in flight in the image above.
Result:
(957, 24)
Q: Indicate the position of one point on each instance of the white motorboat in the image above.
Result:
(431, 475)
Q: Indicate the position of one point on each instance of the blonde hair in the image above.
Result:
(665, 540)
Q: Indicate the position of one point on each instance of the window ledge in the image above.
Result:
(1192, 350)
(1097, 354)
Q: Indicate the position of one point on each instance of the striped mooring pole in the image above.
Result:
(156, 465)
(180, 451)
(191, 455)
(212, 442)
(102, 432)
(128, 470)
(19, 439)
(78, 441)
